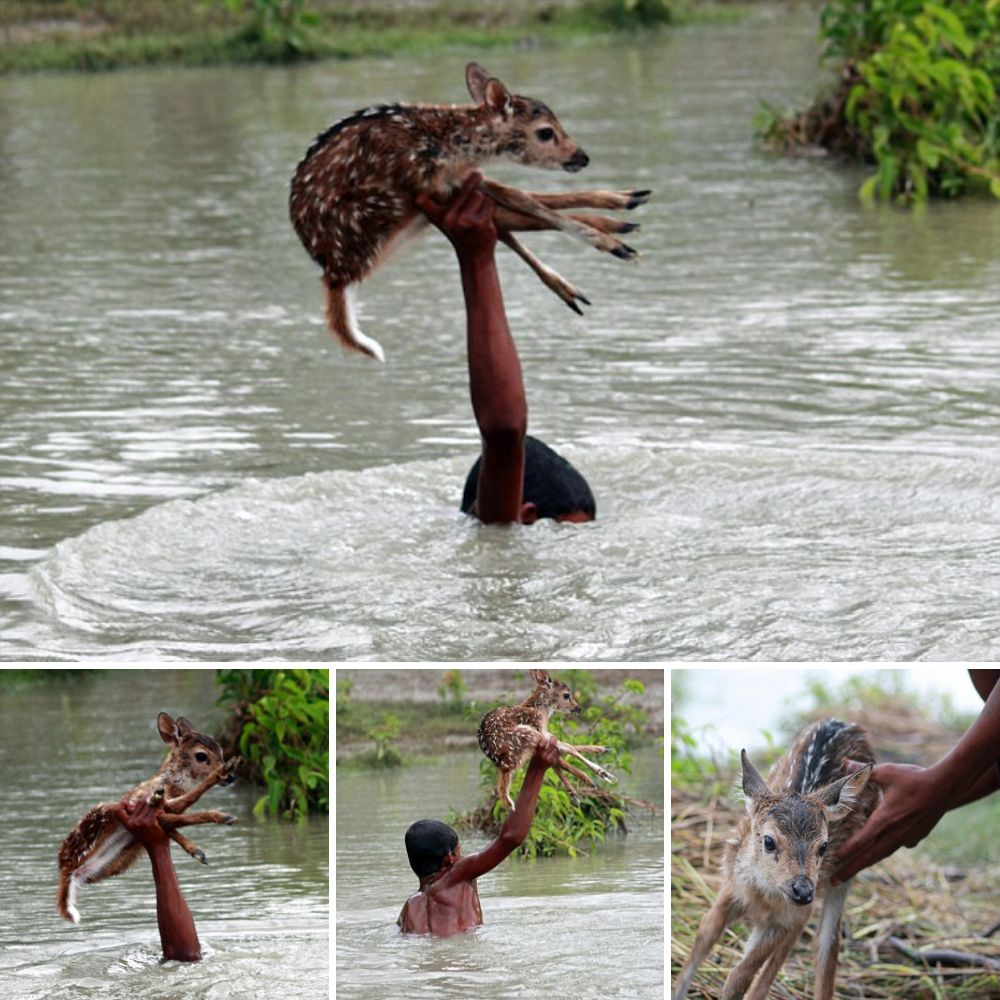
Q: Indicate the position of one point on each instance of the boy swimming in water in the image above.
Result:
(448, 900)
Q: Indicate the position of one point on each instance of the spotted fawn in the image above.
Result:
(509, 735)
(781, 858)
(352, 197)
(99, 846)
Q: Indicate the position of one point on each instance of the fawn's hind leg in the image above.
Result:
(552, 280)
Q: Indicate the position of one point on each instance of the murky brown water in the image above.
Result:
(789, 409)
(260, 905)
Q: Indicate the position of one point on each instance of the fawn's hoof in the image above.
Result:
(199, 855)
(637, 198)
(229, 820)
(624, 252)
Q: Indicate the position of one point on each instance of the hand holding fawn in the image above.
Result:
(99, 846)
(508, 736)
(354, 195)
(783, 855)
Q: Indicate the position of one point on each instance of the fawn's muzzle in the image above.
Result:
(802, 891)
(576, 162)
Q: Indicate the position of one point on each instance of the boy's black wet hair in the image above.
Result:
(553, 485)
(427, 842)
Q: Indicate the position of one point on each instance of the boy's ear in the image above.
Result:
(839, 797)
(754, 785)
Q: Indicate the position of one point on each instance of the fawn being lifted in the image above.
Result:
(508, 736)
(353, 195)
(99, 846)
(782, 856)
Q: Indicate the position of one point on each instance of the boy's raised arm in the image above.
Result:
(517, 824)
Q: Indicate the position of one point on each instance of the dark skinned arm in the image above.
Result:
(517, 824)
(496, 384)
(178, 936)
(915, 798)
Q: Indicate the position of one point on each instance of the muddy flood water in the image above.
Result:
(788, 410)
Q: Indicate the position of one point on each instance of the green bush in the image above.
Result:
(917, 96)
(281, 726)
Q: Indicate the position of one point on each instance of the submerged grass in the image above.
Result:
(901, 915)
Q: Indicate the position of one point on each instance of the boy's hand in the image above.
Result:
(467, 219)
(141, 820)
(547, 752)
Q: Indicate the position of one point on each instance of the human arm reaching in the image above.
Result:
(915, 798)
(178, 936)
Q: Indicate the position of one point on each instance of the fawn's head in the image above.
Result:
(525, 130)
(790, 833)
(192, 757)
(551, 695)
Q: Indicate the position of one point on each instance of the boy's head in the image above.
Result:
(427, 843)
(552, 487)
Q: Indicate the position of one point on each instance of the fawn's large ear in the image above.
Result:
(486, 89)
(839, 797)
(167, 728)
(541, 678)
(754, 785)
(498, 97)
(476, 79)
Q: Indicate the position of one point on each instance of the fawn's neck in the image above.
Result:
(537, 702)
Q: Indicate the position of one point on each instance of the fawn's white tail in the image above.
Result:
(344, 325)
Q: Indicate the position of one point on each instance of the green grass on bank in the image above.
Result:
(92, 35)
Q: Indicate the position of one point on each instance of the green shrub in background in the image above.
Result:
(917, 96)
(280, 725)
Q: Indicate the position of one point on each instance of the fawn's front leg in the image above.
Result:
(596, 768)
(719, 916)
(188, 799)
(765, 944)
(767, 975)
(517, 201)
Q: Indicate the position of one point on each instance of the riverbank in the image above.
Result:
(436, 711)
(64, 35)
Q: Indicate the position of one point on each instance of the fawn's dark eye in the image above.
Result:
(201, 757)
(545, 134)
(769, 845)
(823, 847)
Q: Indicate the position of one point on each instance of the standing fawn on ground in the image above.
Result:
(352, 196)
(783, 855)
(509, 736)
(99, 846)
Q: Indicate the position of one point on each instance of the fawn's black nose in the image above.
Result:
(802, 891)
(576, 162)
